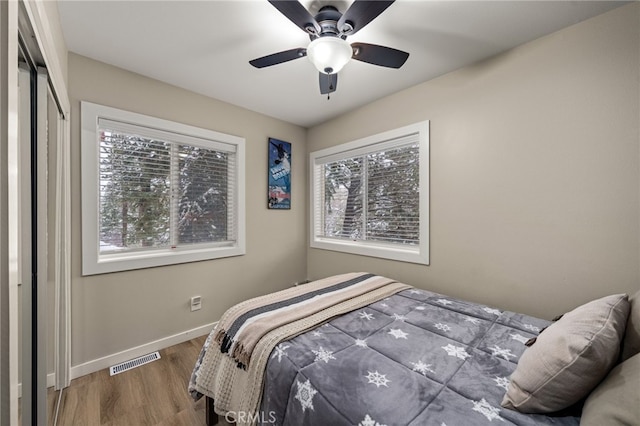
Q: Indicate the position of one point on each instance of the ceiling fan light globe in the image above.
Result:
(329, 52)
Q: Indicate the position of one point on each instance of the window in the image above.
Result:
(371, 196)
(156, 192)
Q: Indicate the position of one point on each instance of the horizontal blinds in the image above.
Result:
(318, 200)
(134, 192)
(203, 192)
(371, 196)
(410, 139)
(164, 135)
(344, 198)
(159, 190)
(393, 212)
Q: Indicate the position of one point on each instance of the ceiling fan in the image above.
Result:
(329, 51)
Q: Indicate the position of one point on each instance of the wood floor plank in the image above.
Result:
(155, 376)
(120, 394)
(80, 405)
(138, 416)
(52, 400)
(154, 394)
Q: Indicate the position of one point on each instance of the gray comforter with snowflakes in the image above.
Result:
(415, 358)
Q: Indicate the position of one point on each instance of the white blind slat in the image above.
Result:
(401, 142)
(105, 124)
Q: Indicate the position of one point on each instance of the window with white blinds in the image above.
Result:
(157, 192)
(371, 196)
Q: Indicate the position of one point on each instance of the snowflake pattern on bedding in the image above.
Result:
(377, 379)
(455, 355)
(532, 327)
(422, 368)
(487, 410)
(492, 311)
(280, 351)
(519, 337)
(366, 315)
(305, 395)
(398, 334)
(502, 382)
(368, 421)
(362, 343)
(399, 317)
(323, 355)
(456, 351)
(500, 352)
(443, 327)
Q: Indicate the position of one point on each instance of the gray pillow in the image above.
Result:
(631, 342)
(616, 401)
(569, 358)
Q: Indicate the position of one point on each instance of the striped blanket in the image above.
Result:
(242, 326)
(240, 390)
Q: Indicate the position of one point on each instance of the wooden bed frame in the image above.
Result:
(212, 417)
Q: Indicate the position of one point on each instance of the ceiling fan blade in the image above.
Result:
(328, 83)
(379, 55)
(278, 58)
(361, 13)
(297, 14)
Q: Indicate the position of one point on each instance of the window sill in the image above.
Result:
(116, 262)
(403, 254)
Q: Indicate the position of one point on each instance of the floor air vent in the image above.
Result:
(133, 363)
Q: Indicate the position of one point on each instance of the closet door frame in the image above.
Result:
(38, 18)
(34, 12)
(8, 196)
(30, 222)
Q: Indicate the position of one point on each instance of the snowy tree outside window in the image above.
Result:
(166, 192)
(157, 194)
(374, 197)
(371, 196)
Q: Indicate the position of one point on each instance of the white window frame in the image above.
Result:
(95, 263)
(413, 254)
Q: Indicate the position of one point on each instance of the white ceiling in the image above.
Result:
(205, 46)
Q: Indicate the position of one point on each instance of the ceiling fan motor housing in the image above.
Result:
(328, 18)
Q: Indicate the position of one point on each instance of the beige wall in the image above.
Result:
(118, 311)
(534, 171)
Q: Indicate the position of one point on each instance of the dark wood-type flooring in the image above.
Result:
(153, 394)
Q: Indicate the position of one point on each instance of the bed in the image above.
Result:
(410, 357)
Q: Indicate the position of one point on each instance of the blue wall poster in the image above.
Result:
(279, 174)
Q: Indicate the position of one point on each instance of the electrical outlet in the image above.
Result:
(196, 303)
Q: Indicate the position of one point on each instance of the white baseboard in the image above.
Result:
(51, 381)
(109, 360)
